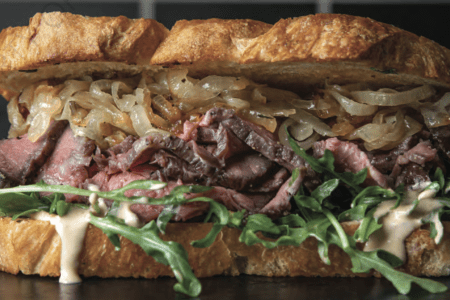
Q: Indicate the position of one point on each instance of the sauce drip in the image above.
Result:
(400, 222)
(72, 229)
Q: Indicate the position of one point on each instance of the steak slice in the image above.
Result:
(412, 168)
(349, 158)
(254, 136)
(441, 137)
(244, 171)
(20, 158)
(69, 162)
(143, 149)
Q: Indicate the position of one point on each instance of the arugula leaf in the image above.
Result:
(285, 235)
(167, 253)
(165, 216)
(376, 193)
(325, 189)
(21, 204)
(315, 201)
(365, 261)
(221, 212)
(325, 164)
(117, 195)
(439, 178)
(292, 220)
(368, 226)
(236, 218)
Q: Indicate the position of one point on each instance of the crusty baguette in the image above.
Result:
(33, 247)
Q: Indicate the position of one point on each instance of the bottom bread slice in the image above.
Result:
(34, 247)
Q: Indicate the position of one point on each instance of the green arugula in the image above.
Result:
(117, 195)
(23, 204)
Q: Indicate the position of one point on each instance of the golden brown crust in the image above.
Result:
(294, 54)
(52, 38)
(208, 40)
(310, 49)
(33, 247)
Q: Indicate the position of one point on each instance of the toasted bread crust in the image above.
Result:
(293, 54)
(34, 247)
(208, 40)
(309, 49)
(53, 38)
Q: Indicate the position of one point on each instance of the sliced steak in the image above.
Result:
(244, 171)
(384, 160)
(413, 176)
(20, 158)
(412, 168)
(69, 162)
(142, 150)
(273, 183)
(349, 158)
(173, 167)
(281, 204)
(441, 138)
(254, 136)
(226, 143)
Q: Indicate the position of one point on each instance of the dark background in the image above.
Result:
(427, 19)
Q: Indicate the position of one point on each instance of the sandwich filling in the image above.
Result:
(233, 136)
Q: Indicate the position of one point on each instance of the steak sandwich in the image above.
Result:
(317, 146)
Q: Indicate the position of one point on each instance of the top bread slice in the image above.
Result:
(297, 53)
(294, 53)
(63, 45)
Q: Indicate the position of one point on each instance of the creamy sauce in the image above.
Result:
(94, 199)
(72, 229)
(399, 223)
(129, 217)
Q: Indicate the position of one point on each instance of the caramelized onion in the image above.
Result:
(388, 133)
(216, 84)
(72, 87)
(277, 95)
(121, 95)
(268, 122)
(436, 114)
(319, 126)
(302, 133)
(18, 125)
(352, 107)
(236, 102)
(390, 98)
(166, 108)
(140, 120)
(45, 106)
